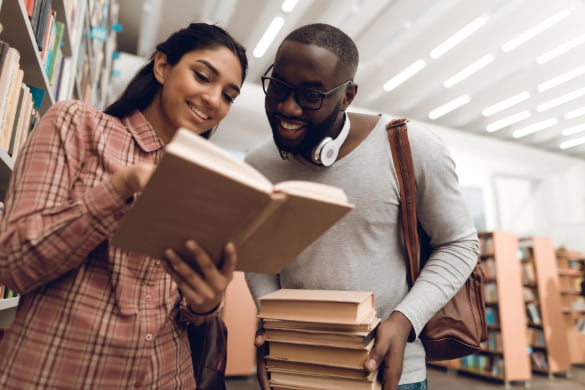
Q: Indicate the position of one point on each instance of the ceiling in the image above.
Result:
(392, 35)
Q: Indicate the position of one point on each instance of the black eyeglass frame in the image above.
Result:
(322, 95)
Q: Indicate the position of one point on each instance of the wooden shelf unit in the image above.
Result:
(571, 266)
(546, 326)
(80, 18)
(504, 356)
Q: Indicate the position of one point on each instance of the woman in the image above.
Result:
(92, 315)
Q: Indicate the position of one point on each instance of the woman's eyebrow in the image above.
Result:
(216, 72)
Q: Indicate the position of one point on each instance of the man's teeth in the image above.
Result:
(198, 113)
(290, 126)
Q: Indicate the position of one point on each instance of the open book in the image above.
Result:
(199, 191)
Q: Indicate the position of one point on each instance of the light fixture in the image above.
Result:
(506, 103)
(535, 127)
(565, 47)
(452, 105)
(534, 31)
(404, 75)
(561, 79)
(575, 113)
(288, 5)
(268, 36)
(572, 143)
(457, 37)
(468, 71)
(574, 129)
(560, 100)
(507, 121)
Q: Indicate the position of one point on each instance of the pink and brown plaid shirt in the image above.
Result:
(91, 316)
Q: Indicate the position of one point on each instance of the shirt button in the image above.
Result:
(148, 337)
(148, 298)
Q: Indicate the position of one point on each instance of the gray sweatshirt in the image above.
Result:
(364, 250)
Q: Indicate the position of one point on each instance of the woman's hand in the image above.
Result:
(201, 282)
(131, 179)
(388, 351)
(261, 352)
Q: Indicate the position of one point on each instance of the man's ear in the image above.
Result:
(350, 93)
(160, 66)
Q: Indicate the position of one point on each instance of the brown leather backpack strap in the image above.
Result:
(402, 157)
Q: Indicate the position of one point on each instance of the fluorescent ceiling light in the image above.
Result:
(565, 47)
(535, 127)
(471, 69)
(572, 143)
(561, 79)
(534, 31)
(289, 5)
(457, 37)
(574, 129)
(560, 100)
(452, 105)
(510, 120)
(404, 75)
(575, 113)
(268, 36)
(506, 103)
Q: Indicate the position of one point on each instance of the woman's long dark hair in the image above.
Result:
(141, 90)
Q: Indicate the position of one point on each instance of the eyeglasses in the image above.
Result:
(307, 98)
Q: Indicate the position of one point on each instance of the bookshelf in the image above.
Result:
(503, 357)
(546, 327)
(571, 266)
(239, 315)
(82, 20)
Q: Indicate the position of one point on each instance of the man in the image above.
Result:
(308, 90)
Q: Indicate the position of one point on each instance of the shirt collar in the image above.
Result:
(143, 132)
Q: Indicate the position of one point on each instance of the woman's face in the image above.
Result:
(196, 93)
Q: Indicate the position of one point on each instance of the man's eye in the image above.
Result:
(311, 96)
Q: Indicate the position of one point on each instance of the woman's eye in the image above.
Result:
(228, 98)
(202, 77)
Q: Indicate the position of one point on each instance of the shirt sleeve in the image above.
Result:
(443, 214)
(46, 231)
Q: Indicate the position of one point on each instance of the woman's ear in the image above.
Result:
(350, 93)
(160, 66)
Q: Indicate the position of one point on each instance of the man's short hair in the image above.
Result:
(328, 37)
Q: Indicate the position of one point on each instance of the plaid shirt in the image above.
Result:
(91, 316)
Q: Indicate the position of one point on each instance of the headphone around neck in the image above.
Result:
(326, 152)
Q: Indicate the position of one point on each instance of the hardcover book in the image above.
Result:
(199, 191)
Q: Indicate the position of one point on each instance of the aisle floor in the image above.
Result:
(440, 379)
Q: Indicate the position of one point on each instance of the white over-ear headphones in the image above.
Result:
(326, 152)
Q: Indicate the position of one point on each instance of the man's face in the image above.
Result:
(297, 129)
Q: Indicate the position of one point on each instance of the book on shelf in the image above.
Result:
(349, 307)
(9, 66)
(199, 191)
(15, 88)
(296, 380)
(533, 312)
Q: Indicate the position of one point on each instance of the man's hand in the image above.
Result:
(388, 351)
(261, 352)
(201, 282)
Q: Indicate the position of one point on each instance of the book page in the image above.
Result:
(197, 149)
(314, 190)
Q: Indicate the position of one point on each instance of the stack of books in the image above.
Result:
(319, 339)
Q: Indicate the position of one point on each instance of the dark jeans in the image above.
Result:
(414, 386)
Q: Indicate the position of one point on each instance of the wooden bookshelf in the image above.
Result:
(77, 17)
(239, 314)
(571, 266)
(503, 356)
(546, 326)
